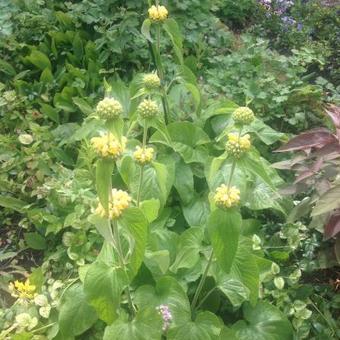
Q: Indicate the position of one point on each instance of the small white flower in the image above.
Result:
(25, 321)
(25, 139)
(41, 300)
(45, 311)
(279, 282)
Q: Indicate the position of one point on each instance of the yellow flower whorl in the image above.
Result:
(226, 197)
(157, 13)
(109, 108)
(119, 201)
(108, 146)
(243, 116)
(143, 155)
(237, 145)
(22, 290)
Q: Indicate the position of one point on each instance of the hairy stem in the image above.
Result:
(122, 264)
(139, 192)
(201, 284)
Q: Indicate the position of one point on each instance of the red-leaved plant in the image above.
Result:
(317, 174)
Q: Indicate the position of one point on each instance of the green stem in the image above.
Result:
(43, 327)
(201, 284)
(323, 316)
(155, 48)
(233, 166)
(145, 133)
(139, 192)
(122, 264)
(206, 296)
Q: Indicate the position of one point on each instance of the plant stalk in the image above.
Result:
(201, 283)
(139, 192)
(122, 264)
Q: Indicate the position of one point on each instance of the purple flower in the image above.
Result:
(299, 26)
(288, 20)
(164, 311)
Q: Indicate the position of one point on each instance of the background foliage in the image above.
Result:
(55, 58)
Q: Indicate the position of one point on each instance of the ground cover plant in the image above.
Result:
(139, 199)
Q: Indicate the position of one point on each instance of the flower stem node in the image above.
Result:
(109, 108)
(151, 81)
(237, 145)
(226, 197)
(119, 201)
(158, 13)
(108, 146)
(148, 108)
(143, 155)
(243, 116)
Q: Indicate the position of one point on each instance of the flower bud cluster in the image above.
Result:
(148, 108)
(243, 116)
(237, 145)
(109, 108)
(151, 81)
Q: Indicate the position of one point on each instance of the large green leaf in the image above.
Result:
(157, 181)
(206, 326)
(261, 196)
(150, 209)
(197, 211)
(35, 241)
(135, 223)
(39, 59)
(219, 172)
(103, 286)
(329, 201)
(251, 162)
(266, 134)
(187, 139)
(263, 322)
(184, 181)
(232, 288)
(224, 230)
(147, 325)
(104, 170)
(188, 249)
(103, 225)
(171, 27)
(146, 29)
(166, 292)
(244, 268)
(12, 203)
(75, 314)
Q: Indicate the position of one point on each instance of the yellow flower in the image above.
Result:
(119, 201)
(151, 81)
(157, 13)
(143, 155)
(109, 108)
(226, 197)
(243, 116)
(148, 108)
(108, 145)
(237, 145)
(22, 290)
